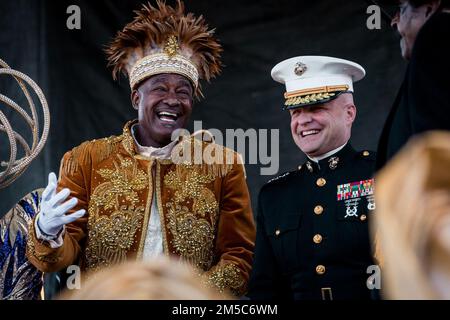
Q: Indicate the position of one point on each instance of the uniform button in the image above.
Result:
(366, 153)
(363, 217)
(321, 182)
(277, 232)
(318, 209)
(320, 269)
(299, 167)
(317, 238)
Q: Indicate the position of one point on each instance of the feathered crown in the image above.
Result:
(165, 40)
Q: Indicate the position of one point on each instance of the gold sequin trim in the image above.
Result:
(31, 248)
(158, 63)
(148, 207)
(160, 208)
(171, 46)
(82, 155)
(226, 277)
(127, 138)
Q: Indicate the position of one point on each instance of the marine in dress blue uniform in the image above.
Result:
(312, 223)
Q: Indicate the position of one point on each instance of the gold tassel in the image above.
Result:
(108, 146)
(219, 169)
(216, 170)
(223, 167)
(71, 164)
(81, 155)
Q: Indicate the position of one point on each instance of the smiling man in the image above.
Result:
(164, 104)
(128, 197)
(423, 101)
(312, 238)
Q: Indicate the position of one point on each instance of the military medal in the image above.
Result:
(352, 193)
(355, 189)
(351, 211)
(371, 203)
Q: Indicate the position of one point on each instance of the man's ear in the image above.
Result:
(135, 99)
(351, 112)
(432, 7)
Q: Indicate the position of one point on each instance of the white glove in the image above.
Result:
(52, 216)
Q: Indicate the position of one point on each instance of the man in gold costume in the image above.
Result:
(143, 194)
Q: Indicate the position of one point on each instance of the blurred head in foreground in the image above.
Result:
(159, 279)
(413, 220)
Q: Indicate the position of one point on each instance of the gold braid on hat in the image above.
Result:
(165, 40)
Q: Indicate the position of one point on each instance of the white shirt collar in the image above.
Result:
(161, 153)
(326, 155)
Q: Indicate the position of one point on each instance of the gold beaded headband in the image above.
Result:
(168, 61)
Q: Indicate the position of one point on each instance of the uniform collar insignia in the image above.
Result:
(333, 162)
(309, 166)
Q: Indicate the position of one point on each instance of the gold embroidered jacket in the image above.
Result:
(205, 210)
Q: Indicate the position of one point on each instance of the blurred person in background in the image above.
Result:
(423, 101)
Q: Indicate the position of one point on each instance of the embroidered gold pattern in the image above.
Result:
(31, 249)
(226, 277)
(191, 185)
(127, 138)
(123, 181)
(192, 231)
(111, 236)
(312, 95)
(308, 98)
(171, 46)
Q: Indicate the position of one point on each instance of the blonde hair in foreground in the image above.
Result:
(413, 220)
(159, 279)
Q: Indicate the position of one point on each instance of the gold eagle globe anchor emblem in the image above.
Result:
(300, 68)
